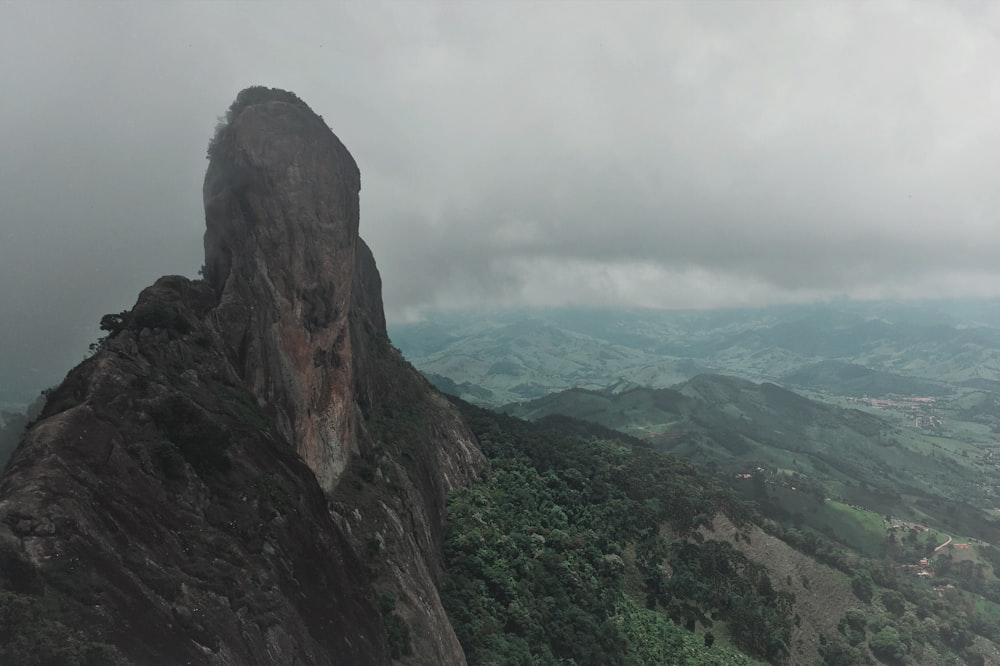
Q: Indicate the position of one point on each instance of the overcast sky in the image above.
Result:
(648, 154)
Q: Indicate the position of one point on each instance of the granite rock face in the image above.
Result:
(247, 472)
(281, 209)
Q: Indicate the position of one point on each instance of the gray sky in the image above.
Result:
(652, 154)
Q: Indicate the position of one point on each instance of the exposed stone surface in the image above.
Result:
(248, 472)
(281, 209)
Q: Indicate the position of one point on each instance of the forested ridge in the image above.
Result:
(582, 545)
(560, 556)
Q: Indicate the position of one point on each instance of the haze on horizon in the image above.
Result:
(512, 154)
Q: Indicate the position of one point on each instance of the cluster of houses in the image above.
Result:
(749, 475)
(911, 402)
(927, 422)
(916, 405)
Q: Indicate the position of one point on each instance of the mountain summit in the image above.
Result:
(246, 472)
(281, 208)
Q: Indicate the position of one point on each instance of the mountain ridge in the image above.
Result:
(211, 485)
(731, 425)
(911, 348)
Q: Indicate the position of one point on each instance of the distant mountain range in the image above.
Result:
(733, 425)
(895, 407)
(845, 348)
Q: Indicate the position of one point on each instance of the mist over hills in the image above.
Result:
(886, 347)
(899, 397)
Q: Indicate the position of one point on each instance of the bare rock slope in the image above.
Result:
(247, 472)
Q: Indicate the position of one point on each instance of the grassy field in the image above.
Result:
(858, 528)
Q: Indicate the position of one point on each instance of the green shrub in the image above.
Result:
(853, 626)
(157, 315)
(888, 645)
(396, 628)
(894, 602)
(114, 323)
(863, 586)
(247, 97)
(835, 653)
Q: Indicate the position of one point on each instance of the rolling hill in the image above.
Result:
(845, 348)
(734, 426)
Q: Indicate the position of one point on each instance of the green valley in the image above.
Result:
(858, 446)
(584, 545)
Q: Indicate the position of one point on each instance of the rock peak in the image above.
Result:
(281, 210)
(211, 486)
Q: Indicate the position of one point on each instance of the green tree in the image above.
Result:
(888, 645)
(863, 586)
(894, 602)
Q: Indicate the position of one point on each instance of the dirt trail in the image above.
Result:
(943, 545)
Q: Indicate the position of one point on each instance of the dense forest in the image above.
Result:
(585, 546)
(558, 556)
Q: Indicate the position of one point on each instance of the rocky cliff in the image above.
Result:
(247, 472)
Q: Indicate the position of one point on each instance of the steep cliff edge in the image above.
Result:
(247, 472)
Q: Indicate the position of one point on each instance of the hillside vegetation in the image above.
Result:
(557, 556)
(868, 490)
(588, 545)
(796, 453)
